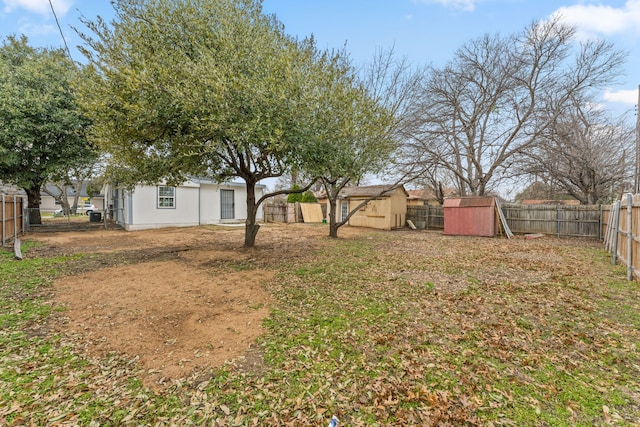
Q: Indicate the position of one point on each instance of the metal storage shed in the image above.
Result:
(470, 216)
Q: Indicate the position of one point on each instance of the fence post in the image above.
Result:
(558, 220)
(15, 217)
(600, 224)
(616, 230)
(3, 219)
(426, 220)
(629, 236)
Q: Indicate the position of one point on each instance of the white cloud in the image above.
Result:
(33, 29)
(41, 7)
(629, 97)
(602, 19)
(466, 5)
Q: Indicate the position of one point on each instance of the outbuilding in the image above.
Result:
(386, 209)
(470, 216)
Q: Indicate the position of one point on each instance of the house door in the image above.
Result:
(227, 204)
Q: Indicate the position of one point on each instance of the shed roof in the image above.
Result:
(371, 191)
(424, 194)
(466, 202)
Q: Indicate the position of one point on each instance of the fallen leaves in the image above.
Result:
(388, 329)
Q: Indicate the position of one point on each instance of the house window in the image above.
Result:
(166, 197)
(344, 208)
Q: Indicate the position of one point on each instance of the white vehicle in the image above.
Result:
(85, 209)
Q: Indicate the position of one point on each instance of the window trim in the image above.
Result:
(160, 197)
(344, 210)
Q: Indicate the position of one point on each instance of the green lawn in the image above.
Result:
(383, 328)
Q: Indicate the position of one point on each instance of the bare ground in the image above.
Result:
(178, 299)
(474, 330)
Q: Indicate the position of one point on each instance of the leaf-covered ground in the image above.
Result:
(378, 328)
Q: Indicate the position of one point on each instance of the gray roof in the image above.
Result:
(70, 189)
(370, 191)
(10, 189)
(204, 180)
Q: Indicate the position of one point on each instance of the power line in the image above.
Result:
(60, 29)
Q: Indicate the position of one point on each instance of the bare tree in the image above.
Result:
(75, 177)
(490, 105)
(583, 154)
(359, 122)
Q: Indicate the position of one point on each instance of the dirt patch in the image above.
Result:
(172, 316)
(179, 300)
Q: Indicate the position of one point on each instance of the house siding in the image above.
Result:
(145, 213)
(196, 203)
(386, 212)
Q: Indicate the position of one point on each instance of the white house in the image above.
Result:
(196, 202)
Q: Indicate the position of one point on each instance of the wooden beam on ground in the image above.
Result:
(17, 252)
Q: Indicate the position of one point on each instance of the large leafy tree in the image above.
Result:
(496, 99)
(196, 87)
(43, 131)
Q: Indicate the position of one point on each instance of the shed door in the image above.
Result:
(227, 205)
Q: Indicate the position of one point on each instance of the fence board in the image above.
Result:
(559, 220)
(426, 217)
(11, 218)
(275, 212)
(624, 241)
(288, 212)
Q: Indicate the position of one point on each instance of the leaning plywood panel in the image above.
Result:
(311, 212)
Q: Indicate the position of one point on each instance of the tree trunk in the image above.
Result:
(440, 193)
(250, 232)
(33, 205)
(251, 226)
(76, 197)
(333, 221)
(64, 204)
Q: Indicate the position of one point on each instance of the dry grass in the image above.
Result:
(379, 328)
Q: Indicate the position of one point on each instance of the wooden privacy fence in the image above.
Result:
(622, 233)
(560, 220)
(11, 216)
(426, 217)
(276, 212)
(282, 212)
(286, 212)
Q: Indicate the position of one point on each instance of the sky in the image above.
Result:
(423, 31)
